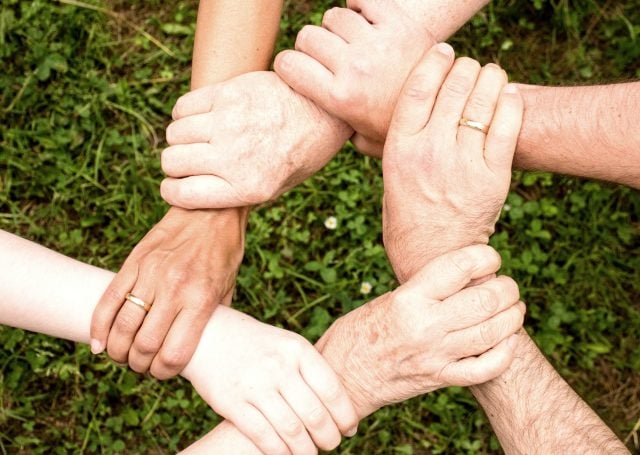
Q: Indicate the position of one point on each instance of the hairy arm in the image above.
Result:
(534, 411)
(583, 131)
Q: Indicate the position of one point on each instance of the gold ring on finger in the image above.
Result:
(138, 301)
(479, 126)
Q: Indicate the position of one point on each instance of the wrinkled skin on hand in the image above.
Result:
(354, 66)
(244, 142)
(429, 333)
(445, 183)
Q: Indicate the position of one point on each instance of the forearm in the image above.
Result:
(582, 131)
(442, 18)
(61, 303)
(233, 37)
(534, 411)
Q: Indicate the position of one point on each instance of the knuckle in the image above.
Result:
(113, 295)
(260, 193)
(340, 95)
(361, 67)
(295, 346)
(468, 63)
(480, 104)
(461, 261)
(293, 428)
(147, 344)
(333, 393)
(457, 85)
(418, 87)
(486, 300)
(316, 417)
(173, 358)
(488, 335)
(126, 322)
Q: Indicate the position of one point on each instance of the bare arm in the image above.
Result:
(534, 411)
(531, 407)
(203, 247)
(233, 37)
(584, 131)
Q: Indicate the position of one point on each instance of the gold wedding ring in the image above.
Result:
(138, 301)
(474, 125)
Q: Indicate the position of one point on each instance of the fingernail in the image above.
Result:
(445, 49)
(351, 433)
(511, 88)
(96, 346)
(512, 342)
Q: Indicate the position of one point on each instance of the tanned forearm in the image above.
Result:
(233, 37)
(534, 411)
(583, 131)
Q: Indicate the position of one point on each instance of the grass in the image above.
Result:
(85, 94)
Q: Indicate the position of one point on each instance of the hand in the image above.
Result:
(245, 142)
(355, 66)
(185, 266)
(444, 183)
(272, 384)
(429, 333)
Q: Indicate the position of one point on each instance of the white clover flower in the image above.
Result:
(365, 287)
(331, 223)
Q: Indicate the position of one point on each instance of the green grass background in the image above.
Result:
(85, 95)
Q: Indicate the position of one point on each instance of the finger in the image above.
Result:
(503, 133)
(109, 305)
(325, 384)
(322, 45)
(129, 318)
(197, 101)
(451, 272)
(453, 96)
(367, 146)
(254, 425)
(371, 11)
(313, 414)
(480, 107)
(125, 326)
(180, 343)
(345, 23)
(480, 338)
(479, 303)
(477, 370)
(421, 89)
(305, 75)
(287, 424)
(151, 335)
(186, 160)
(201, 192)
(190, 130)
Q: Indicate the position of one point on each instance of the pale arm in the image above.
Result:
(583, 131)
